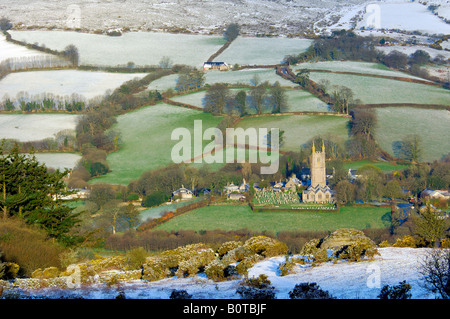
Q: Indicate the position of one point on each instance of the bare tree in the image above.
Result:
(71, 52)
(435, 269)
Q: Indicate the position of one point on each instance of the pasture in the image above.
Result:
(146, 140)
(241, 77)
(371, 90)
(35, 127)
(355, 67)
(142, 48)
(297, 101)
(395, 123)
(384, 166)
(234, 217)
(262, 51)
(299, 129)
(63, 83)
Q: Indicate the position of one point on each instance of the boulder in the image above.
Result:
(346, 243)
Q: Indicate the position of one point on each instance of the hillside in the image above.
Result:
(343, 280)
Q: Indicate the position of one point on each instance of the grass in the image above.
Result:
(384, 166)
(146, 140)
(246, 76)
(299, 129)
(371, 90)
(395, 123)
(234, 217)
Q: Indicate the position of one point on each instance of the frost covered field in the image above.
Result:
(343, 280)
(63, 83)
(356, 67)
(58, 160)
(9, 50)
(407, 16)
(258, 51)
(142, 48)
(34, 127)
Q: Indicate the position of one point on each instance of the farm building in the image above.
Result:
(221, 66)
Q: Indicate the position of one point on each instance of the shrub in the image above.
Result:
(308, 290)
(215, 270)
(135, 258)
(287, 266)
(355, 252)
(405, 241)
(254, 293)
(227, 246)
(401, 291)
(154, 199)
(243, 267)
(260, 282)
(266, 246)
(180, 294)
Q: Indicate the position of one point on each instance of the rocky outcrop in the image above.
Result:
(346, 243)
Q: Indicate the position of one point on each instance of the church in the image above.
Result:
(318, 192)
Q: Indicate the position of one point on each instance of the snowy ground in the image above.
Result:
(9, 50)
(62, 83)
(344, 280)
(35, 127)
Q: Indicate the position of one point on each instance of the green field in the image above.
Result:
(371, 90)
(233, 217)
(297, 101)
(299, 129)
(247, 77)
(384, 166)
(395, 123)
(146, 140)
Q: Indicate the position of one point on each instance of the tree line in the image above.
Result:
(346, 45)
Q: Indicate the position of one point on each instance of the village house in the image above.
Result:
(236, 196)
(429, 194)
(221, 66)
(231, 188)
(183, 193)
(292, 184)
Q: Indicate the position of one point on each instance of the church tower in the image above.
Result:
(318, 173)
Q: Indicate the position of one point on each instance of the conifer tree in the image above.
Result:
(29, 191)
